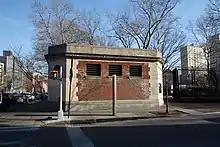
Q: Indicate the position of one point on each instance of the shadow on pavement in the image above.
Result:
(185, 135)
(196, 100)
(41, 106)
(46, 114)
(42, 137)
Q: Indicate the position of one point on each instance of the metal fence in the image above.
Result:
(195, 83)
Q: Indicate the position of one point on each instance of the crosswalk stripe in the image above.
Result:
(78, 137)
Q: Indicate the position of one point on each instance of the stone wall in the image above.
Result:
(155, 81)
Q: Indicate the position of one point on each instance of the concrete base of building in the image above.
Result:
(108, 105)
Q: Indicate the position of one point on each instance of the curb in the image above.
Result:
(25, 119)
(87, 121)
(101, 120)
(50, 121)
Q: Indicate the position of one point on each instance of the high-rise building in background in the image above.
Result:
(193, 57)
(14, 76)
(214, 44)
(2, 75)
(39, 83)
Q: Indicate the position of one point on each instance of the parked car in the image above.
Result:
(7, 100)
(29, 97)
(9, 96)
(46, 96)
(38, 96)
(21, 99)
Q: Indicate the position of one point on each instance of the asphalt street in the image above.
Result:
(155, 133)
(33, 136)
(170, 132)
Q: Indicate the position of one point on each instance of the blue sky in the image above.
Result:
(16, 28)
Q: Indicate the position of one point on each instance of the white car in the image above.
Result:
(21, 99)
(29, 97)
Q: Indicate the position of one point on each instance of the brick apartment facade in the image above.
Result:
(139, 75)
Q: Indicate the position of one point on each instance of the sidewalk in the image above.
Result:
(45, 118)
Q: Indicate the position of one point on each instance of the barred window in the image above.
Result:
(115, 70)
(93, 69)
(136, 70)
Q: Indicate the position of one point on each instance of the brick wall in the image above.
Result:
(100, 88)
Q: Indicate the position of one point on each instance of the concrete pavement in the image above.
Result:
(156, 133)
(176, 109)
(94, 116)
(187, 131)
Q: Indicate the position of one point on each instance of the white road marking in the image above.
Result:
(10, 143)
(191, 111)
(18, 129)
(13, 143)
(211, 113)
(78, 138)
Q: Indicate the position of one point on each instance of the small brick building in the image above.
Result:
(139, 76)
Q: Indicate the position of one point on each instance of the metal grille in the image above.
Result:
(93, 69)
(195, 83)
(136, 70)
(115, 70)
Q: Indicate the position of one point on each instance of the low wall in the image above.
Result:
(87, 106)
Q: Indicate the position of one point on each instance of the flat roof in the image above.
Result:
(102, 53)
(101, 50)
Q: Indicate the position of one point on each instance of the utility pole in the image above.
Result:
(22, 82)
(60, 112)
(13, 72)
(114, 94)
(166, 101)
(70, 88)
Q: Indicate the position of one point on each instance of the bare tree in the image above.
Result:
(118, 32)
(213, 8)
(148, 16)
(55, 23)
(25, 67)
(169, 39)
(150, 24)
(90, 22)
(203, 32)
(58, 22)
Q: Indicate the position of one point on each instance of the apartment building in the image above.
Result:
(214, 45)
(14, 77)
(40, 83)
(192, 57)
(1, 75)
